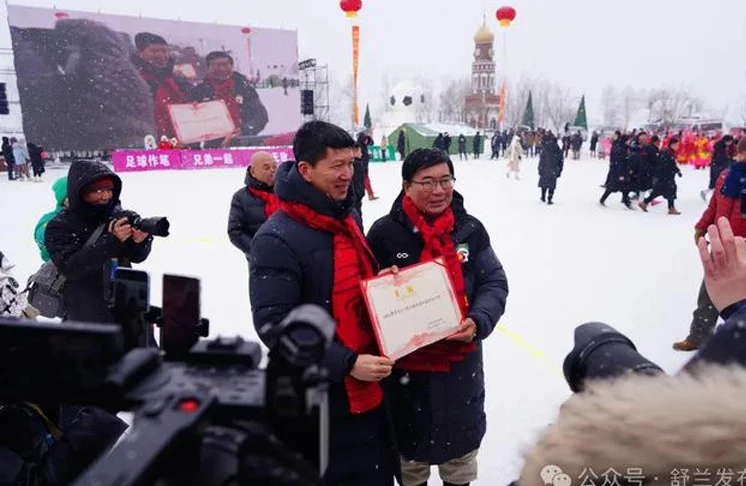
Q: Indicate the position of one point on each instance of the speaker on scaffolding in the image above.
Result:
(306, 102)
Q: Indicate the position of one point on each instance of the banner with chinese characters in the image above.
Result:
(148, 160)
(145, 160)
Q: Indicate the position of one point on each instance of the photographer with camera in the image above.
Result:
(725, 202)
(85, 241)
(313, 251)
(630, 423)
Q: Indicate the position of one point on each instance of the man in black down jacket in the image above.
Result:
(438, 406)
(312, 251)
(93, 196)
(253, 204)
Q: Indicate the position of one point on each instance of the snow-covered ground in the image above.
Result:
(566, 264)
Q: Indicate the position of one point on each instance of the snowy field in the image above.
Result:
(567, 264)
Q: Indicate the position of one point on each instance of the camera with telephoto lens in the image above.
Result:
(601, 352)
(213, 418)
(156, 226)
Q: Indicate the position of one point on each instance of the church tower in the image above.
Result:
(483, 104)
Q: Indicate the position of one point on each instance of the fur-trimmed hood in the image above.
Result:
(658, 424)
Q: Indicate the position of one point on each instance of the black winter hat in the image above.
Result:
(424, 158)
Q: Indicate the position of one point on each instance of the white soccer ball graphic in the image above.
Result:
(406, 96)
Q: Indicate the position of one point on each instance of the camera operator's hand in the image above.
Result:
(121, 229)
(724, 264)
(139, 236)
(371, 368)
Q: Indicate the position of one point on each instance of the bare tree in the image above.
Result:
(668, 105)
(611, 106)
(630, 103)
(340, 111)
(559, 110)
(427, 106)
(452, 99)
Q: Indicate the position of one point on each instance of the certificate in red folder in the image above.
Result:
(412, 309)
(200, 122)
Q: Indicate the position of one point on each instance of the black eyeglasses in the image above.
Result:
(430, 184)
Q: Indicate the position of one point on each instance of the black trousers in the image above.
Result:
(11, 169)
(609, 192)
(547, 193)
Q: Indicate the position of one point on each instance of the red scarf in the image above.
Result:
(353, 261)
(167, 93)
(226, 90)
(271, 203)
(438, 242)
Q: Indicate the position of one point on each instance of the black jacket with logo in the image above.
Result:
(440, 416)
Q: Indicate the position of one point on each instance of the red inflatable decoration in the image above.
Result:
(351, 7)
(505, 15)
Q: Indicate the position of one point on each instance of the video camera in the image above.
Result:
(156, 226)
(213, 418)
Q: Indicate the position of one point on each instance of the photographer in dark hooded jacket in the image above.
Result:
(93, 192)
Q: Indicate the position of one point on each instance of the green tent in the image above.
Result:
(580, 119)
(422, 135)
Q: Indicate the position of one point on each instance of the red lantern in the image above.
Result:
(505, 15)
(351, 7)
(61, 15)
(246, 30)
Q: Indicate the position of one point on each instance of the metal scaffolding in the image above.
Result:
(316, 78)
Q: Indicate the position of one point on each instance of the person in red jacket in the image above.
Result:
(725, 202)
(156, 68)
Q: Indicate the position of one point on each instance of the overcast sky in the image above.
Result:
(583, 44)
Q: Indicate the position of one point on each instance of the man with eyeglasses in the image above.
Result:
(437, 392)
(93, 196)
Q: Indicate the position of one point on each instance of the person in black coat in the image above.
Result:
(721, 160)
(462, 155)
(438, 407)
(254, 203)
(495, 146)
(312, 251)
(551, 163)
(594, 143)
(477, 145)
(37, 161)
(438, 142)
(401, 144)
(447, 143)
(10, 160)
(618, 179)
(665, 178)
(93, 192)
(358, 181)
(365, 141)
(223, 83)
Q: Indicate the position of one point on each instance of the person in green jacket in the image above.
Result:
(60, 194)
